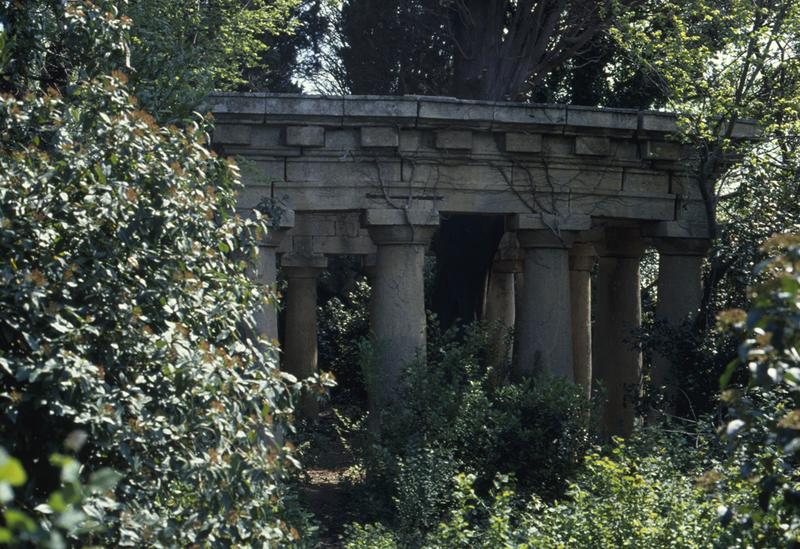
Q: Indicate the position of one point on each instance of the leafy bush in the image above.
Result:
(454, 416)
(764, 427)
(634, 496)
(343, 324)
(125, 308)
(74, 509)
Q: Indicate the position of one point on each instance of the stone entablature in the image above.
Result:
(356, 153)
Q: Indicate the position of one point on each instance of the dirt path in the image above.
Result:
(327, 492)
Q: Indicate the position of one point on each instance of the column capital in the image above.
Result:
(582, 257)
(303, 265)
(682, 246)
(401, 226)
(621, 242)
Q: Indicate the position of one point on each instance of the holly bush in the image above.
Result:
(125, 308)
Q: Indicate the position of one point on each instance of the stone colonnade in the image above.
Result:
(559, 327)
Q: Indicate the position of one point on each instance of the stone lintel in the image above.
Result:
(304, 265)
(589, 145)
(520, 222)
(523, 142)
(380, 136)
(305, 136)
(454, 139)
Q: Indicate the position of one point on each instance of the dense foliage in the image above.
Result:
(455, 415)
(182, 50)
(764, 428)
(643, 495)
(125, 308)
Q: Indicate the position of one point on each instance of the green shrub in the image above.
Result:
(622, 499)
(71, 511)
(343, 325)
(763, 498)
(454, 416)
(125, 308)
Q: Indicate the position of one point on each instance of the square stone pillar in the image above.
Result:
(398, 301)
(582, 259)
(680, 263)
(617, 360)
(543, 339)
(300, 334)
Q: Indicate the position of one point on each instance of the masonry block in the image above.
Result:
(305, 136)
(662, 150)
(454, 139)
(232, 134)
(592, 146)
(380, 136)
(523, 142)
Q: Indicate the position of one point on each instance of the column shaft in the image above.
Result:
(580, 278)
(544, 329)
(679, 295)
(266, 317)
(618, 360)
(300, 335)
(398, 309)
(398, 299)
(499, 311)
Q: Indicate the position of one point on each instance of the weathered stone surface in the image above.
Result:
(454, 139)
(661, 122)
(305, 136)
(529, 222)
(267, 171)
(475, 113)
(662, 150)
(280, 107)
(248, 107)
(380, 107)
(232, 134)
(647, 181)
(592, 146)
(375, 217)
(608, 119)
(380, 136)
(523, 142)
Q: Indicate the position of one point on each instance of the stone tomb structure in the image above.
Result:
(580, 189)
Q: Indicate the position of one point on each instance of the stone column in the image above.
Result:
(266, 317)
(581, 261)
(398, 301)
(300, 334)
(617, 362)
(544, 328)
(680, 262)
(499, 308)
